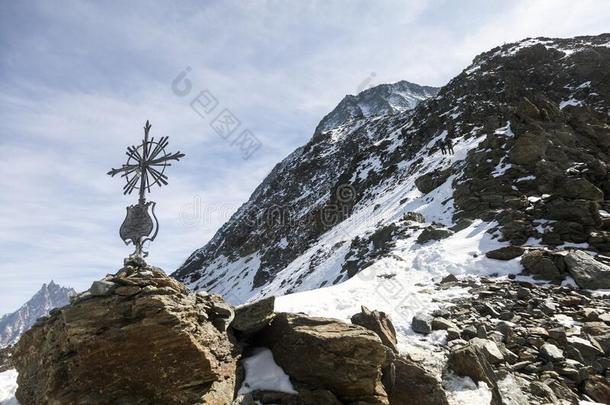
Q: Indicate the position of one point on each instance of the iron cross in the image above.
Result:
(145, 162)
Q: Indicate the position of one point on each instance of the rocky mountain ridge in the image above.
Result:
(383, 99)
(530, 127)
(50, 296)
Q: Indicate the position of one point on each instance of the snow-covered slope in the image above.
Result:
(48, 297)
(530, 127)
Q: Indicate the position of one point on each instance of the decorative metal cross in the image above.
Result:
(144, 162)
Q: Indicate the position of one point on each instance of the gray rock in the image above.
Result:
(441, 323)
(102, 287)
(551, 353)
(587, 272)
(422, 323)
(489, 347)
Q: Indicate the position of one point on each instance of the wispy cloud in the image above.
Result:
(78, 81)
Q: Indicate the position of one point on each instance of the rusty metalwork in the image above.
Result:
(145, 167)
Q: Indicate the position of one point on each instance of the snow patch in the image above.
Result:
(8, 386)
(262, 373)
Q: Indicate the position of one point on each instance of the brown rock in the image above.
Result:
(149, 348)
(379, 323)
(414, 384)
(321, 352)
(598, 388)
(251, 318)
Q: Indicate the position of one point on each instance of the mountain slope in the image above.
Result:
(48, 297)
(530, 127)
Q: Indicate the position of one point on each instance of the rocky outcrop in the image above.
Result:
(141, 337)
(326, 353)
(137, 337)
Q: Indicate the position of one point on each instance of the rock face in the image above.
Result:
(143, 338)
(50, 296)
(325, 353)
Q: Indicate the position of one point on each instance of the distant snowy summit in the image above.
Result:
(48, 297)
(383, 99)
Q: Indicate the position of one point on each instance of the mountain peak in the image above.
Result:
(50, 295)
(379, 100)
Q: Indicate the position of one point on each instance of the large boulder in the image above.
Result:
(327, 353)
(379, 323)
(139, 337)
(587, 272)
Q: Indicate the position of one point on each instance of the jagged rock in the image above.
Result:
(471, 361)
(588, 348)
(379, 323)
(433, 232)
(489, 347)
(598, 388)
(251, 318)
(551, 353)
(587, 272)
(422, 323)
(158, 346)
(505, 253)
(323, 352)
(414, 384)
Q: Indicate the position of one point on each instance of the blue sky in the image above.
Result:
(79, 79)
